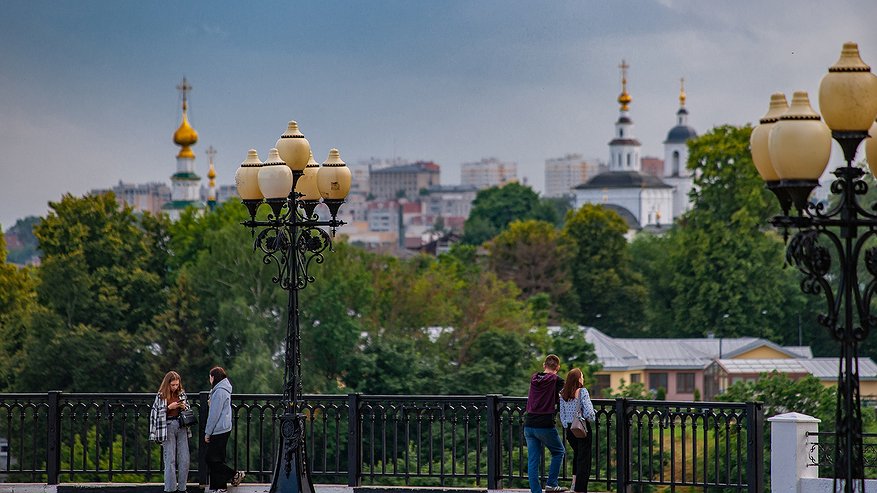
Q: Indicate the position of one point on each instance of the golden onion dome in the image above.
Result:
(185, 136)
(624, 100)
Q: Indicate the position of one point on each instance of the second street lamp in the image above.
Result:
(290, 238)
(791, 149)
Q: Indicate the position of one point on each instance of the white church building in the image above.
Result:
(643, 200)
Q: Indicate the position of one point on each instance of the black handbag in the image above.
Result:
(187, 418)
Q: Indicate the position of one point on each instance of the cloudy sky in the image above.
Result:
(88, 98)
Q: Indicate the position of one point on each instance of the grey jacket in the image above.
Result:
(219, 417)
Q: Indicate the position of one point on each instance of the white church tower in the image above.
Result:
(676, 173)
(642, 200)
(185, 183)
(624, 149)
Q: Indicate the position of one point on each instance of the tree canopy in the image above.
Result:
(494, 208)
(721, 269)
(126, 297)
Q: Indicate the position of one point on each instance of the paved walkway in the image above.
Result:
(244, 488)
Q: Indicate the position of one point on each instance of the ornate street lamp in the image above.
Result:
(791, 148)
(291, 238)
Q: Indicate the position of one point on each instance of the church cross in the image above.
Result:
(184, 88)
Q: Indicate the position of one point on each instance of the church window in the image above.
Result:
(628, 160)
(675, 163)
(621, 133)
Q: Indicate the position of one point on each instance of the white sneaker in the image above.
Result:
(554, 489)
(238, 477)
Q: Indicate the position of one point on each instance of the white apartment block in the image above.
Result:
(564, 173)
(489, 172)
(142, 197)
(450, 201)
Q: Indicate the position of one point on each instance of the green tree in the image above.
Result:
(16, 285)
(100, 284)
(178, 339)
(96, 265)
(334, 311)
(611, 295)
(720, 269)
(494, 208)
(17, 299)
(535, 255)
(187, 236)
(393, 366)
(28, 249)
(781, 394)
(243, 311)
(501, 363)
(484, 302)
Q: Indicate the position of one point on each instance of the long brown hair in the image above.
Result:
(573, 383)
(165, 389)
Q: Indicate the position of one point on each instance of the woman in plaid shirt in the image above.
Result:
(166, 428)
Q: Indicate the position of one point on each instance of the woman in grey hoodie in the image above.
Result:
(217, 431)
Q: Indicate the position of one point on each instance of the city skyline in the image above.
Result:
(88, 94)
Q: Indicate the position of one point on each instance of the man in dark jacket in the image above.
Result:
(539, 428)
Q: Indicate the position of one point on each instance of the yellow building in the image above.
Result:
(708, 365)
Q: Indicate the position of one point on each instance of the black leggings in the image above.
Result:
(220, 473)
(581, 458)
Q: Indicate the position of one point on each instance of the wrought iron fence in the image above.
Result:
(405, 440)
(821, 452)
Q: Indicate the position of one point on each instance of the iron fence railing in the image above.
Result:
(394, 440)
(821, 452)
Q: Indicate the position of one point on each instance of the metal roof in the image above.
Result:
(623, 179)
(694, 353)
(758, 366)
(821, 368)
(826, 368)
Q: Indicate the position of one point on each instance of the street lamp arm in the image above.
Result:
(292, 250)
(331, 223)
(814, 260)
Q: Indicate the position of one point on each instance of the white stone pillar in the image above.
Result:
(789, 451)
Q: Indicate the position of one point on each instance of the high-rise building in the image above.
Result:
(563, 173)
(489, 172)
(406, 181)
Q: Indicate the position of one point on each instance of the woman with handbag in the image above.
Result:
(166, 428)
(576, 415)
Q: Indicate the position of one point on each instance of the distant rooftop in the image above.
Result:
(409, 168)
(624, 179)
(678, 353)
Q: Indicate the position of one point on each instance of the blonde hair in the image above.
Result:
(165, 388)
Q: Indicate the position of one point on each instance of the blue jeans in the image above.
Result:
(536, 439)
(176, 457)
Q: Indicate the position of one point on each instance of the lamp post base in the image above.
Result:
(291, 472)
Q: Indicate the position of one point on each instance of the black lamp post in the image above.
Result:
(291, 238)
(791, 148)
